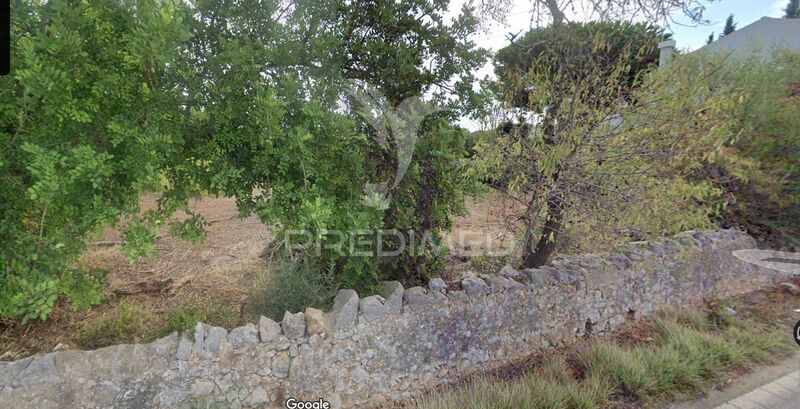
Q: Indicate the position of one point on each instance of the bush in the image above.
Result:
(125, 324)
(292, 285)
(766, 132)
(78, 140)
(186, 318)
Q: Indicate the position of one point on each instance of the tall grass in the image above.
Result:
(292, 285)
(688, 350)
(126, 323)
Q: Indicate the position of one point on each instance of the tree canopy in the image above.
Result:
(577, 46)
(792, 9)
(108, 100)
(730, 26)
(571, 78)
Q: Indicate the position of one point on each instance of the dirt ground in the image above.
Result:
(217, 268)
(221, 271)
(233, 250)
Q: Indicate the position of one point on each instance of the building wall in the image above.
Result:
(765, 35)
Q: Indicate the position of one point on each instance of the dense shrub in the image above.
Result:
(765, 132)
(109, 99)
(292, 285)
(84, 127)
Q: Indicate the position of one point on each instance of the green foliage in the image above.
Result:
(408, 49)
(688, 352)
(765, 132)
(186, 317)
(292, 285)
(572, 49)
(29, 300)
(792, 9)
(746, 142)
(83, 289)
(703, 142)
(587, 144)
(285, 153)
(125, 324)
(83, 129)
(192, 229)
(730, 26)
(431, 192)
(110, 99)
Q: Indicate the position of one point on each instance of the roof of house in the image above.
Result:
(766, 34)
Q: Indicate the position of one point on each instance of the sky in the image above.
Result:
(688, 36)
(691, 37)
(744, 13)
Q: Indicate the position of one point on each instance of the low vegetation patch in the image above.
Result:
(116, 322)
(672, 356)
(130, 323)
(291, 285)
(185, 318)
(123, 325)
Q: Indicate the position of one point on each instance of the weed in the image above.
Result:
(293, 285)
(689, 351)
(186, 317)
(126, 323)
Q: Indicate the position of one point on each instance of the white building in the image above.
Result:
(764, 35)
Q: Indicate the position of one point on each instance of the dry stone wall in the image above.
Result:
(367, 351)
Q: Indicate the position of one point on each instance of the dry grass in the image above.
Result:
(681, 353)
(225, 273)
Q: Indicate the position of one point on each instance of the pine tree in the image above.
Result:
(730, 26)
(792, 9)
(710, 38)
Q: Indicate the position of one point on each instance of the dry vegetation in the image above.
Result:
(214, 282)
(676, 355)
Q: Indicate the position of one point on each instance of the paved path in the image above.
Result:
(783, 393)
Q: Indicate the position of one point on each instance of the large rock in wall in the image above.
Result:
(382, 348)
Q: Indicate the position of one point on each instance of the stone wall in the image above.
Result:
(367, 351)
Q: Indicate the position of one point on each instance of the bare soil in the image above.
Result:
(220, 272)
(218, 268)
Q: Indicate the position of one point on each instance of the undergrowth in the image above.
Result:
(683, 352)
(129, 323)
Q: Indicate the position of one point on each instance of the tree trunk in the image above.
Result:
(555, 12)
(536, 257)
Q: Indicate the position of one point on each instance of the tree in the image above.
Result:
(87, 123)
(287, 156)
(710, 38)
(792, 9)
(565, 104)
(608, 170)
(184, 100)
(581, 44)
(571, 77)
(730, 26)
(405, 50)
